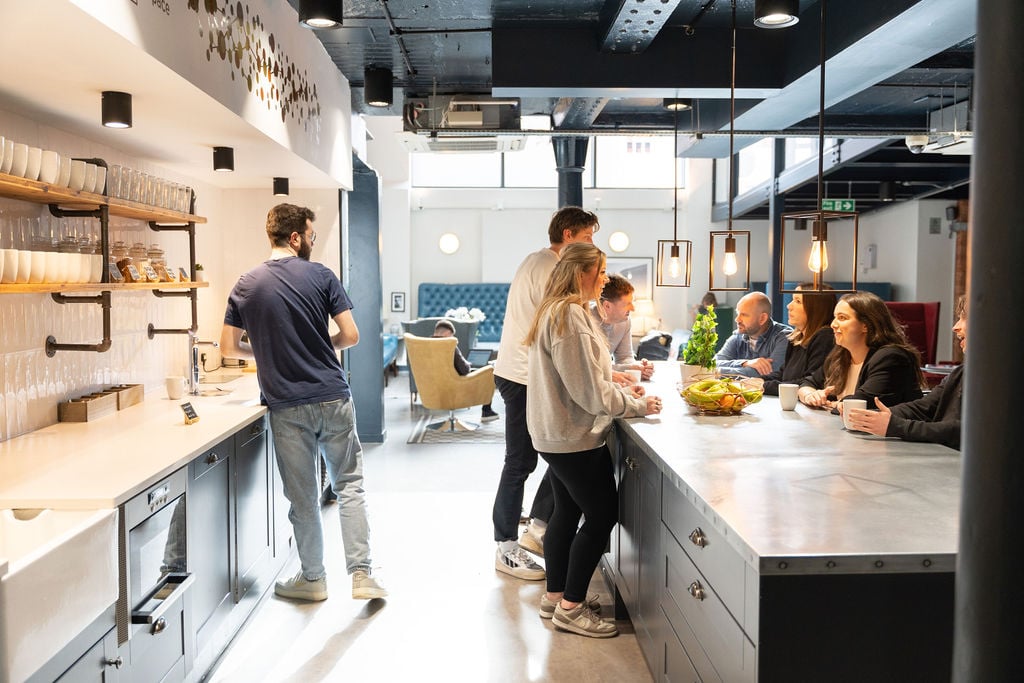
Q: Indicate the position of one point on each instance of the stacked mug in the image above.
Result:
(48, 250)
(53, 168)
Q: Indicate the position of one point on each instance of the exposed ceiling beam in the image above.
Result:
(634, 24)
(577, 113)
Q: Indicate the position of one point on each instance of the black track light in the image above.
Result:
(223, 159)
(280, 187)
(377, 86)
(116, 109)
(776, 13)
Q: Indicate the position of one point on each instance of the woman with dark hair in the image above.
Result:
(934, 418)
(872, 358)
(570, 403)
(811, 340)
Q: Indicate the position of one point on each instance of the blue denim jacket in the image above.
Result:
(772, 344)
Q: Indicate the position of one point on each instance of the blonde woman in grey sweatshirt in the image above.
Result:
(571, 401)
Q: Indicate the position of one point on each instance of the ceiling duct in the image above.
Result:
(950, 129)
(425, 121)
(460, 112)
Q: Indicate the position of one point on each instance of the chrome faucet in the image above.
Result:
(193, 375)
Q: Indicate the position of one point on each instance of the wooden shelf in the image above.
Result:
(44, 193)
(67, 288)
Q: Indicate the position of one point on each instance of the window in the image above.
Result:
(533, 166)
(755, 165)
(641, 162)
(462, 169)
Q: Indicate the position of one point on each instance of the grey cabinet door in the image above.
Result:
(628, 555)
(209, 534)
(255, 535)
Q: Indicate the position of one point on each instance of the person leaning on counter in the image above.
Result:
(872, 358)
(934, 418)
(285, 305)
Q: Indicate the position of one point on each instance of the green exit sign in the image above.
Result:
(838, 205)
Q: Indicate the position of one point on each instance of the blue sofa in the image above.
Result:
(435, 298)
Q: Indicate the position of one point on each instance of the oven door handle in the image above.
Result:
(173, 587)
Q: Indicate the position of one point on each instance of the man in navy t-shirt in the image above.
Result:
(285, 305)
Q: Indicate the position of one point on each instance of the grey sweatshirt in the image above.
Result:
(571, 399)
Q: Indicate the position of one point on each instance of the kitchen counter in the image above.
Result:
(792, 485)
(745, 539)
(101, 464)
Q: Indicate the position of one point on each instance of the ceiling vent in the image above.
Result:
(950, 130)
(476, 143)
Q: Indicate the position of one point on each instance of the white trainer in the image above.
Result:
(517, 563)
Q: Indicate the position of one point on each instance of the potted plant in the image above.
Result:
(200, 273)
(698, 355)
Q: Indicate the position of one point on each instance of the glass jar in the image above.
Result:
(118, 251)
(156, 255)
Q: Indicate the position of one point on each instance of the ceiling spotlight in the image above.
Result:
(676, 104)
(116, 109)
(280, 187)
(776, 13)
(320, 14)
(887, 191)
(223, 159)
(377, 86)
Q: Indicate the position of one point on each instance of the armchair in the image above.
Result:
(465, 333)
(441, 387)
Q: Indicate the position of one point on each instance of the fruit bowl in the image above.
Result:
(722, 396)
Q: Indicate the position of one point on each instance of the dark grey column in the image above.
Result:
(360, 259)
(570, 154)
(776, 207)
(989, 596)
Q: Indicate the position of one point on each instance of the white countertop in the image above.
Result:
(787, 486)
(101, 464)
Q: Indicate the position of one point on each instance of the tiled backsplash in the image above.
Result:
(31, 385)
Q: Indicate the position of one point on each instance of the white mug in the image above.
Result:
(634, 375)
(787, 396)
(849, 405)
(175, 387)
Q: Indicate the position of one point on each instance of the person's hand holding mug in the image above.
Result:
(622, 378)
(871, 421)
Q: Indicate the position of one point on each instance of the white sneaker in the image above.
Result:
(299, 587)
(518, 564)
(366, 587)
(531, 543)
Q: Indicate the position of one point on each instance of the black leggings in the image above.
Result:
(583, 484)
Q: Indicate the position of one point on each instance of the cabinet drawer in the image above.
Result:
(207, 461)
(678, 667)
(720, 564)
(713, 640)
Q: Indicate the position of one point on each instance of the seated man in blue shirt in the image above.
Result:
(759, 344)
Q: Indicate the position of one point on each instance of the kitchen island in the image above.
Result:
(775, 546)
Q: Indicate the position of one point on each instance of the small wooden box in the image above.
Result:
(128, 394)
(87, 408)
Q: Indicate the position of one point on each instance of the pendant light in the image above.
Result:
(730, 263)
(674, 255)
(818, 261)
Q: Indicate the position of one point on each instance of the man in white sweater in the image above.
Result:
(569, 224)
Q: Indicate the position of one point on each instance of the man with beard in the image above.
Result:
(285, 305)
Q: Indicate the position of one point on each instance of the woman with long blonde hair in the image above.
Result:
(571, 401)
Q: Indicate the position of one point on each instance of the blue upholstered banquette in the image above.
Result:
(435, 298)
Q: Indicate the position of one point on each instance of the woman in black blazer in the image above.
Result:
(872, 358)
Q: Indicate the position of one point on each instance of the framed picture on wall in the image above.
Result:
(639, 271)
(398, 302)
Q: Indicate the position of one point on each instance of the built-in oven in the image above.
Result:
(152, 607)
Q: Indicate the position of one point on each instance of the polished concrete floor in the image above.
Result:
(450, 616)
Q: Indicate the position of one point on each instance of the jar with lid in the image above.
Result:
(118, 251)
(156, 255)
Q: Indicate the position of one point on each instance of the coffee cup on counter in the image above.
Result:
(175, 386)
(849, 405)
(788, 396)
(634, 375)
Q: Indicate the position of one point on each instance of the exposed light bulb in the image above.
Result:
(729, 266)
(818, 260)
(673, 266)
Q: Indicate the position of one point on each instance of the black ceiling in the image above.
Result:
(605, 65)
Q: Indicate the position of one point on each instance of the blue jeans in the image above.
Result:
(300, 432)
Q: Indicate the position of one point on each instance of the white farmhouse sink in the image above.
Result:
(61, 574)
